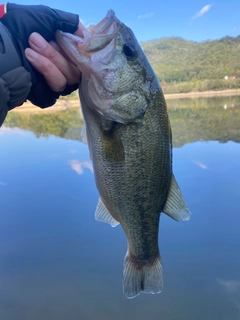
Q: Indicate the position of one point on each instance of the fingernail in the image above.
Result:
(37, 40)
(31, 54)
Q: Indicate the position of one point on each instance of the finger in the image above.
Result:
(56, 46)
(41, 46)
(60, 50)
(53, 76)
(80, 29)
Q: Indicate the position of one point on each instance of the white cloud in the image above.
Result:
(231, 286)
(79, 166)
(73, 151)
(204, 10)
(6, 130)
(232, 289)
(200, 164)
(146, 15)
(2, 183)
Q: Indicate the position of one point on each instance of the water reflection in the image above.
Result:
(204, 119)
(58, 263)
(65, 124)
(78, 166)
(191, 120)
(232, 289)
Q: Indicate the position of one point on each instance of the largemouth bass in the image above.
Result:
(129, 138)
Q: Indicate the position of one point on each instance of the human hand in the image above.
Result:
(48, 59)
(21, 21)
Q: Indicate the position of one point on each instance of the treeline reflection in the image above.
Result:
(65, 124)
(206, 119)
(192, 120)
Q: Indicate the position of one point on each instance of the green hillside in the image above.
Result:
(184, 66)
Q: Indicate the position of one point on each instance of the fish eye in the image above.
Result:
(130, 52)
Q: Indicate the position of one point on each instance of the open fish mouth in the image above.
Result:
(95, 37)
(94, 53)
(104, 26)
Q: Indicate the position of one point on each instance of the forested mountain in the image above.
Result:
(183, 66)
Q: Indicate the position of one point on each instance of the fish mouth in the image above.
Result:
(95, 37)
(92, 54)
(104, 26)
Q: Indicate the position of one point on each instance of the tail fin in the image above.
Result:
(144, 277)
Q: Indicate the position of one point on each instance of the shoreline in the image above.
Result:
(60, 105)
(63, 104)
(206, 94)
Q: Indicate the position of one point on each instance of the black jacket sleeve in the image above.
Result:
(14, 88)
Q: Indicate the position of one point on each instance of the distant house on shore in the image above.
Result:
(230, 77)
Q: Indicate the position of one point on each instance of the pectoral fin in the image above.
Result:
(84, 135)
(85, 140)
(175, 206)
(103, 215)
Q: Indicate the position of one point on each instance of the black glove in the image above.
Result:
(14, 88)
(21, 21)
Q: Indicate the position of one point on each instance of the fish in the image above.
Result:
(128, 133)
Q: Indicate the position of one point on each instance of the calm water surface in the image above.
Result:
(58, 263)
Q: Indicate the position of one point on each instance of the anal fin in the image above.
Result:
(102, 214)
(175, 206)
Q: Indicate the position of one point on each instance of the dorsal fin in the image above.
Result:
(175, 206)
(102, 214)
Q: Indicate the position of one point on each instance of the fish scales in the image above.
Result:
(129, 138)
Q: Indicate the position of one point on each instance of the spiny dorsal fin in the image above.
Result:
(103, 215)
(175, 206)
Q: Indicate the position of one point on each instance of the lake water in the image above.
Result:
(58, 263)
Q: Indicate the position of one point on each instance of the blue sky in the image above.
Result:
(196, 20)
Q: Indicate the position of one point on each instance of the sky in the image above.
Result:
(197, 20)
